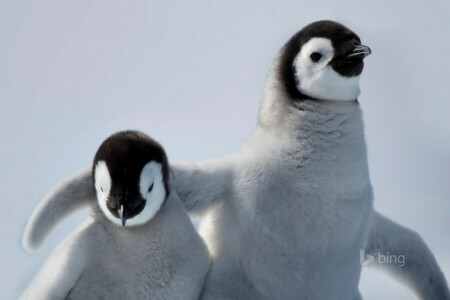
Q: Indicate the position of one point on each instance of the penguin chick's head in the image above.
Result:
(323, 61)
(130, 174)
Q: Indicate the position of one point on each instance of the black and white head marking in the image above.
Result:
(323, 61)
(130, 174)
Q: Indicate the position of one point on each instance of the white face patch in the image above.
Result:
(151, 186)
(103, 187)
(318, 79)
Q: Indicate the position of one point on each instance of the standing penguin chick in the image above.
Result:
(139, 242)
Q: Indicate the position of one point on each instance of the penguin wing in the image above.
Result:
(70, 195)
(200, 185)
(62, 270)
(420, 269)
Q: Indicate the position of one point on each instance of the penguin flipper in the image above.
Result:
(69, 196)
(420, 270)
(200, 185)
(60, 273)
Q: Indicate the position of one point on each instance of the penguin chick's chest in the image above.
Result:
(134, 271)
(305, 199)
(312, 181)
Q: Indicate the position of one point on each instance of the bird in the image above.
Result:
(139, 242)
(288, 214)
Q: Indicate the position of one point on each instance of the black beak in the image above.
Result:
(123, 214)
(360, 51)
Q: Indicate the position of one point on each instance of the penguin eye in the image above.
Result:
(150, 188)
(315, 56)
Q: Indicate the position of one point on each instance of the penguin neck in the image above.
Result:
(321, 142)
(296, 119)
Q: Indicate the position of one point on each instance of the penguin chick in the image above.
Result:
(130, 175)
(138, 243)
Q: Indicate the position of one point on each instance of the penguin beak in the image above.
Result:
(360, 51)
(123, 214)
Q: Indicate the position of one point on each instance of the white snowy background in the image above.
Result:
(191, 74)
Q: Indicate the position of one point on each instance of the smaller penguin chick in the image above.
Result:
(138, 243)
